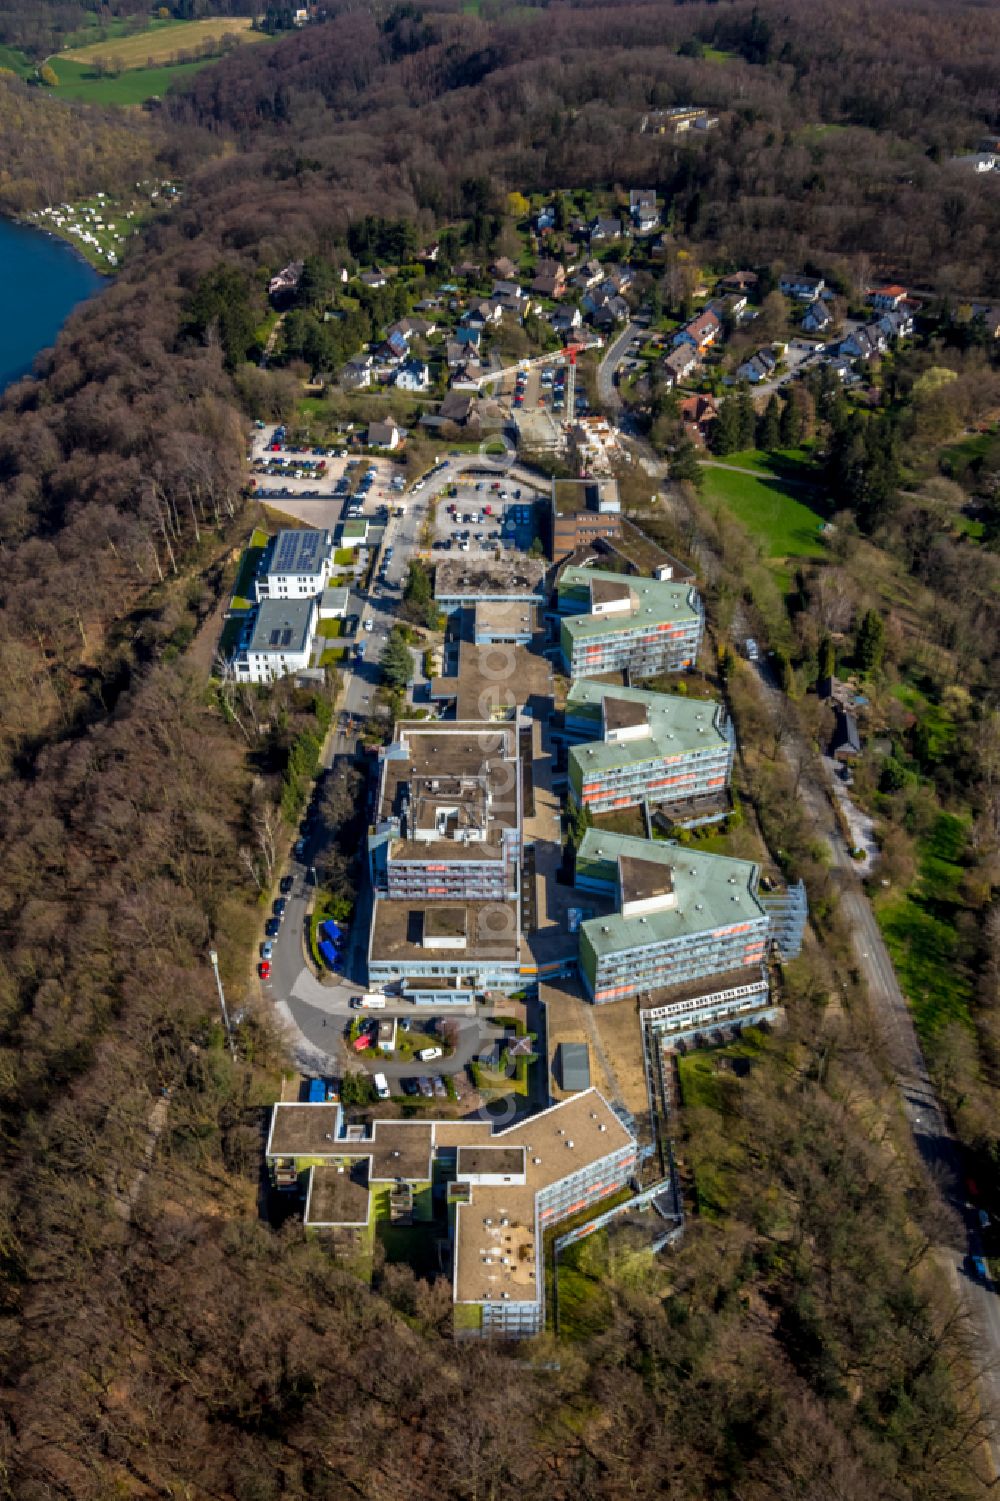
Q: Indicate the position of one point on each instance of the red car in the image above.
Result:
(265, 969)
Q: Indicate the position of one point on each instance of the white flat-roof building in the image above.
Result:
(297, 565)
(277, 640)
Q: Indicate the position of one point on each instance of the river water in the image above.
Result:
(41, 281)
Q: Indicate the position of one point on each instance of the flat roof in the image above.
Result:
(624, 714)
(338, 1193)
(558, 1141)
(505, 618)
(402, 1149)
(301, 551)
(494, 680)
(301, 1130)
(452, 780)
(658, 602)
(677, 726)
(642, 880)
(521, 577)
(496, 1250)
(574, 1065)
(282, 625)
(571, 496)
(496, 1160)
(712, 891)
(398, 931)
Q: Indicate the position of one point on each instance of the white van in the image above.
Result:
(372, 1000)
(381, 1086)
(427, 1054)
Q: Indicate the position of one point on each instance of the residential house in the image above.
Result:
(545, 220)
(978, 162)
(565, 320)
(697, 414)
(589, 275)
(481, 315)
(887, 299)
(504, 268)
(384, 435)
(701, 331)
(277, 640)
(507, 291)
(357, 373)
(413, 328)
(287, 279)
(846, 742)
(864, 343)
(456, 353)
(429, 253)
(296, 565)
(602, 230)
(760, 366)
(457, 407)
(550, 279)
(468, 376)
(469, 335)
(394, 348)
(802, 288)
(817, 317)
(606, 311)
(740, 281)
(897, 324)
(413, 375)
(678, 364)
(374, 279)
(642, 207)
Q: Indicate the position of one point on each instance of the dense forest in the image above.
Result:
(157, 1337)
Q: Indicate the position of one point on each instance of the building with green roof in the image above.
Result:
(683, 918)
(617, 622)
(640, 746)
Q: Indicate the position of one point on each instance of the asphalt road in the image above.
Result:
(607, 392)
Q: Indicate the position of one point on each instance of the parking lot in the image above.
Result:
(483, 515)
(283, 474)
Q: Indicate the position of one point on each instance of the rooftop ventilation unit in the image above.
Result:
(570, 1143)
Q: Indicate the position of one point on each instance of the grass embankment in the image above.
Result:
(769, 508)
(709, 1085)
(79, 81)
(919, 929)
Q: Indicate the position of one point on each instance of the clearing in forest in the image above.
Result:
(162, 43)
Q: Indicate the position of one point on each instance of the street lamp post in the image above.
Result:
(214, 957)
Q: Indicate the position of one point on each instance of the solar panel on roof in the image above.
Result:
(275, 637)
(286, 637)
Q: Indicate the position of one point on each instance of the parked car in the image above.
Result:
(265, 969)
(299, 848)
(440, 1088)
(287, 882)
(426, 1087)
(427, 1054)
(272, 927)
(280, 908)
(409, 1086)
(267, 949)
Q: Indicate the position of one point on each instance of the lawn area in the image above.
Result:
(243, 590)
(79, 81)
(957, 457)
(16, 62)
(787, 462)
(345, 557)
(769, 510)
(161, 42)
(415, 1244)
(937, 723)
(329, 628)
(919, 929)
(585, 1304)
